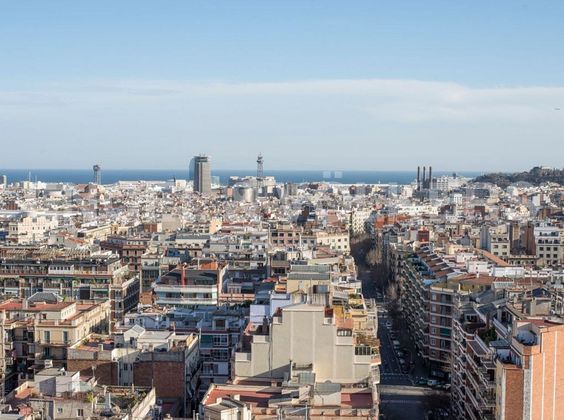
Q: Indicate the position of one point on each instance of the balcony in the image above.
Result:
(242, 356)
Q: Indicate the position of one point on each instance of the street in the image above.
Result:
(390, 371)
(400, 397)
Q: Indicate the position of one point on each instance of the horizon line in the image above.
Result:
(265, 170)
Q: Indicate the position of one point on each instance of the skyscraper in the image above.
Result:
(191, 169)
(202, 174)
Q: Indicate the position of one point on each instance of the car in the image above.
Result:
(394, 335)
(400, 353)
(401, 361)
(421, 381)
(432, 382)
(388, 324)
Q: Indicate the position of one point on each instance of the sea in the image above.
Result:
(111, 176)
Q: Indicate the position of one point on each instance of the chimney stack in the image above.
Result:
(424, 176)
(418, 178)
(183, 275)
(430, 176)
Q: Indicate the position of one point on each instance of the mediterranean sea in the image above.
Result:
(111, 176)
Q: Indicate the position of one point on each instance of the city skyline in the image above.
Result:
(310, 87)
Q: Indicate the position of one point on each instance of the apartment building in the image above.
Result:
(336, 240)
(358, 220)
(529, 378)
(285, 236)
(240, 251)
(30, 228)
(549, 245)
(129, 249)
(219, 330)
(189, 286)
(59, 394)
(431, 286)
(478, 338)
(74, 274)
(419, 271)
(165, 360)
(312, 344)
(42, 328)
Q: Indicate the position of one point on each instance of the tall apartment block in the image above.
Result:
(529, 380)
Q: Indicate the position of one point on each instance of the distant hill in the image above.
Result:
(535, 176)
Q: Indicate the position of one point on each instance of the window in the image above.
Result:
(79, 412)
(47, 336)
(65, 336)
(220, 340)
(59, 410)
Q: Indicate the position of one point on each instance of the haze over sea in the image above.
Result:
(110, 176)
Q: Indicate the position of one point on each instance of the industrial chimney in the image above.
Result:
(419, 178)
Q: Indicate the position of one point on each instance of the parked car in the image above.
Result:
(432, 382)
(421, 381)
(389, 325)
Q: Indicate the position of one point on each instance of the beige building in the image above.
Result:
(359, 217)
(323, 358)
(30, 228)
(313, 338)
(44, 330)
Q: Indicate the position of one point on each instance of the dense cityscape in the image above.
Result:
(441, 298)
(282, 209)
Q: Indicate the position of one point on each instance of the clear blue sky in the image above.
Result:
(311, 84)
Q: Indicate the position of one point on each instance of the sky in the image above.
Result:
(342, 85)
